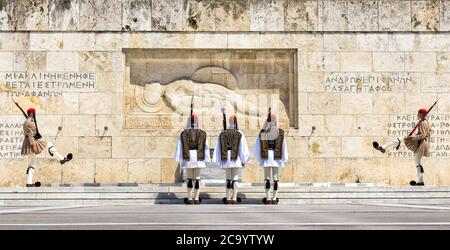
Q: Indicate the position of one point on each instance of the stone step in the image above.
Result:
(174, 194)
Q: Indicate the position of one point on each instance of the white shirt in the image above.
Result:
(192, 162)
(270, 162)
(243, 154)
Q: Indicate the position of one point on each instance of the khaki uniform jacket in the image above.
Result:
(420, 143)
(31, 145)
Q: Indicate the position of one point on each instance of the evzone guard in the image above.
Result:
(418, 141)
(34, 145)
(192, 152)
(270, 151)
(231, 153)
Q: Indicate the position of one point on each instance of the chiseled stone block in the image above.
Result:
(357, 147)
(232, 15)
(136, 15)
(128, 147)
(46, 41)
(9, 169)
(66, 104)
(356, 61)
(109, 81)
(340, 42)
(96, 103)
(170, 171)
(167, 15)
(198, 15)
(340, 125)
(111, 171)
(144, 171)
(275, 40)
(414, 101)
(301, 15)
(95, 61)
(297, 146)
(78, 125)
(311, 125)
(420, 61)
(75, 41)
(373, 41)
(243, 40)
(388, 103)
(107, 41)
(333, 15)
(324, 103)
(324, 147)
(444, 103)
(307, 42)
(306, 170)
(443, 62)
(363, 15)
(161, 147)
(210, 40)
(286, 173)
(30, 61)
(356, 103)
(94, 147)
(404, 42)
(388, 61)
(324, 61)
(101, 15)
(48, 124)
(267, 15)
(28, 15)
(402, 171)
(425, 15)
(17, 41)
(338, 170)
(444, 17)
(253, 173)
(48, 171)
(6, 61)
(114, 124)
(172, 40)
(310, 82)
(372, 125)
(394, 15)
(5, 103)
(373, 170)
(63, 61)
(79, 171)
(64, 15)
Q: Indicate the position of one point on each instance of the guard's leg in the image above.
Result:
(267, 173)
(396, 143)
(32, 163)
(197, 186)
(276, 179)
(189, 185)
(234, 186)
(227, 186)
(419, 167)
(54, 152)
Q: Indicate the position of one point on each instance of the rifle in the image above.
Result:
(269, 118)
(417, 125)
(192, 110)
(224, 117)
(38, 135)
(23, 112)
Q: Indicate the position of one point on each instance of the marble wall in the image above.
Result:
(363, 68)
